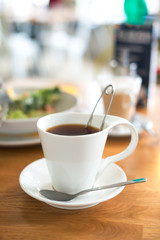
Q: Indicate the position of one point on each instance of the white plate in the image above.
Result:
(137, 121)
(67, 102)
(20, 140)
(35, 177)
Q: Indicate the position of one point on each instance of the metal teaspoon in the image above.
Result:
(61, 196)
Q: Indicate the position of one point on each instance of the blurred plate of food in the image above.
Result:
(19, 140)
(28, 105)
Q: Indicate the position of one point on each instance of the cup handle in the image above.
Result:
(125, 153)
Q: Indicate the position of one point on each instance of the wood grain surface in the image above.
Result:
(133, 214)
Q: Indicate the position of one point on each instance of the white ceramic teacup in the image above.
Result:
(75, 162)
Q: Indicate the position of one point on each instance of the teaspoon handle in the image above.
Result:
(120, 184)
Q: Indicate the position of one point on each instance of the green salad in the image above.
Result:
(34, 104)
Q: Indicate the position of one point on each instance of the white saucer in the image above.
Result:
(35, 177)
(138, 120)
(20, 140)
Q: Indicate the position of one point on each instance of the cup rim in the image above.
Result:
(68, 114)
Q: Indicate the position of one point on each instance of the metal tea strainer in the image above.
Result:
(108, 90)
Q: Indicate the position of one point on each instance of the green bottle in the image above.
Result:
(135, 11)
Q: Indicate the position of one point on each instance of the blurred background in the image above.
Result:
(76, 40)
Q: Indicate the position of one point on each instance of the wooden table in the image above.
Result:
(133, 214)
